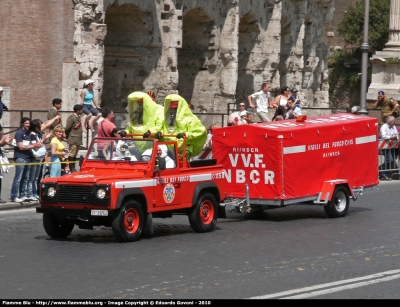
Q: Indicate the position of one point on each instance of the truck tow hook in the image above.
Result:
(243, 208)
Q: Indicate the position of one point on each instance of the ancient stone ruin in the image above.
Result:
(212, 52)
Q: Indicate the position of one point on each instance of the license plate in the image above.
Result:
(99, 212)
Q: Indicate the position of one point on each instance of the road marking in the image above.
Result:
(353, 283)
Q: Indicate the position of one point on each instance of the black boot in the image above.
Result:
(72, 165)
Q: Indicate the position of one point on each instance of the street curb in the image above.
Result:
(17, 206)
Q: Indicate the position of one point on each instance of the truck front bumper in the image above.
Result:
(84, 215)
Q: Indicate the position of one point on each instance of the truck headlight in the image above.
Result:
(101, 193)
(51, 192)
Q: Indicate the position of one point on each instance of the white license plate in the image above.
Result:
(99, 212)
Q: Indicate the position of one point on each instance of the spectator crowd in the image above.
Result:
(50, 148)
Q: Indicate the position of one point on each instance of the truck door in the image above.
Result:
(169, 189)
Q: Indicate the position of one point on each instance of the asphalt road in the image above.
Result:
(292, 252)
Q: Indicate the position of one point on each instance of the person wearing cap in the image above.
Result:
(388, 106)
(262, 100)
(3, 108)
(294, 93)
(90, 105)
(73, 130)
(180, 121)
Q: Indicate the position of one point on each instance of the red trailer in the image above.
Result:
(323, 160)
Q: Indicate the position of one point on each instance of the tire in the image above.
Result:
(203, 216)
(56, 228)
(128, 225)
(339, 205)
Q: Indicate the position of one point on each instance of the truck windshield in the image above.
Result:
(127, 149)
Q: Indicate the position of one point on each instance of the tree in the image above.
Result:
(351, 28)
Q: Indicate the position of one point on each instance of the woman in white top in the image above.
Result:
(280, 102)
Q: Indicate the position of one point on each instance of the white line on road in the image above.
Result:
(376, 278)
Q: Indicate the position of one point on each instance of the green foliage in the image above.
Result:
(393, 60)
(343, 75)
(351, 28)
(336, 55)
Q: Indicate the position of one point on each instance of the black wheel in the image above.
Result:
(203, 216)
(339, 205)
(56, 228)
(128, 224)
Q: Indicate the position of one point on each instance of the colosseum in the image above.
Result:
(213, 53)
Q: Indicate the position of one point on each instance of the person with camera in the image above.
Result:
(389, 106)
(73, 131)
(38, 136)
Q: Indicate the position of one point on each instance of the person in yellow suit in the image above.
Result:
(179, 120)
(145, 114)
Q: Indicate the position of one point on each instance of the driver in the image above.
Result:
(162, 152)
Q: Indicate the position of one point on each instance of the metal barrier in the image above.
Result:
(388, 159)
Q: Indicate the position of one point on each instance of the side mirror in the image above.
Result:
(81, 159)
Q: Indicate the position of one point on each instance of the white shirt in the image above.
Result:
(296, 111)
(387, 131)
(262, 100)
(234, 115)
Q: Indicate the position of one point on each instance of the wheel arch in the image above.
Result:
(205, 186)
(134, 194)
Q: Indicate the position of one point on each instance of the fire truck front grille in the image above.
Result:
(71, 194)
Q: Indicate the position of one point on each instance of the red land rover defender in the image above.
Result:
(123, 183)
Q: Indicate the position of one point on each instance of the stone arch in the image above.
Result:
(248, 36)
(198, 58)
(131, 52)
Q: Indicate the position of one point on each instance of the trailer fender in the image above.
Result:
(327, 189)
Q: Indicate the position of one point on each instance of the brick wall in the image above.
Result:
(341, 6)
(36, 38)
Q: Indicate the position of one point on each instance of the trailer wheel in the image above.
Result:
(339, 205)
(56, 228)
(203, 216)
(128, 224)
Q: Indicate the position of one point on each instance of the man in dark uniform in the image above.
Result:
(73, 130)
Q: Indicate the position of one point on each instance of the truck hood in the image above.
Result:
(96, 175)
